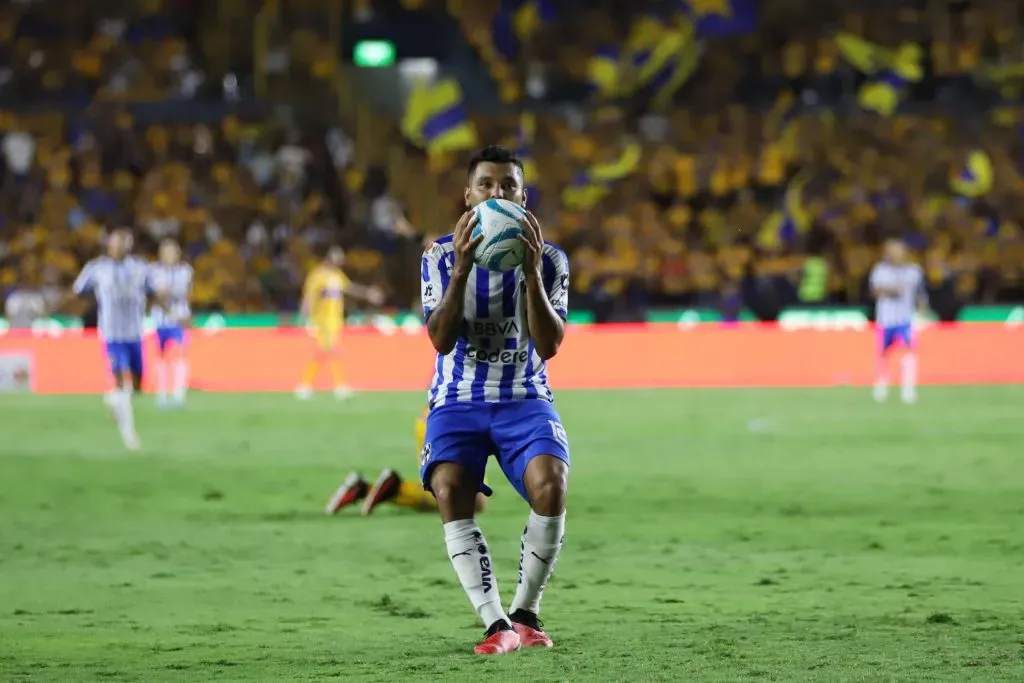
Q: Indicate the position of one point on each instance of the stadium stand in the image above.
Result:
(754, 162)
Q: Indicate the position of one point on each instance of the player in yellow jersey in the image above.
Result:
(390, 487)
(323, 307)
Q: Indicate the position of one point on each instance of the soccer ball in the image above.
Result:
(498, 222)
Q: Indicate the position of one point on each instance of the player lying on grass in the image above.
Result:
(493, 332)
(390, 487)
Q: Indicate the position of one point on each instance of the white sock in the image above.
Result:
(471, 559)
(126, 414)
(881, 386)
(161, 378)
(908, 376)
(181, 379)
(539, 549)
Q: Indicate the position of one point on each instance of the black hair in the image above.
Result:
(495, 154)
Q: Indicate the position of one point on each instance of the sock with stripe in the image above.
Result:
(180, 379)
(471, 558)
(539, 548)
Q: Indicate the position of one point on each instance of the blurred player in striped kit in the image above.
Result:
(120, 283)
(172, 278)
(899, 287)
(493, 332)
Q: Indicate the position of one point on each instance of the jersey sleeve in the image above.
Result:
(557, 283)
(84, 282)
(152, 277)
(346, 284)
(432, 280)
(876, 279)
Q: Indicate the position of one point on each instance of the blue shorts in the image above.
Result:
(125, 356)
(514, 432)
(168, 335)
(889, 336)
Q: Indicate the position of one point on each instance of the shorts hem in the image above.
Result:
(545, 446)
(429, 469)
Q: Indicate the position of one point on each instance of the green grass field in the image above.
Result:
(712, 535)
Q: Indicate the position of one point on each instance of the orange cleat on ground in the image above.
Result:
(498, 643)
(530, 629)
(383, 490)
(351, 491)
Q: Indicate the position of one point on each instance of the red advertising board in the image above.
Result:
(611, 356)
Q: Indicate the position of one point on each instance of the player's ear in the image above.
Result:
(465, 198)
(524, 197)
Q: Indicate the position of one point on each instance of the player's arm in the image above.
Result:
(443, 303)
(161, 296)
(886, 292)
(184, 294)
(82, 286)
(368, 293)
(880, 289)
(545, 311)
(310, 293)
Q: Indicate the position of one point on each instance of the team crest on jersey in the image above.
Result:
(425, 455)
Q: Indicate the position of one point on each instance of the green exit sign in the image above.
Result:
(374, 53)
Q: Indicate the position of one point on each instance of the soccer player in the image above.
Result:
(323, 306)
(899, 287)
(390, 487)
(493, 333)
(120, 283)
(173, 279)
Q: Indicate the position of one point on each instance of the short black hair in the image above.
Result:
(495, 154)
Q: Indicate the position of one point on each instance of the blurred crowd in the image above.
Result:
(768, 178)
(250, 197)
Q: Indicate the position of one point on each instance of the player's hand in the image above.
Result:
(375, 296)
(533, 239)
(465, 244)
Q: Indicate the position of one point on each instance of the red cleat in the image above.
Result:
(530, 629)
(498, 643)
(353, 490)
(383, 490)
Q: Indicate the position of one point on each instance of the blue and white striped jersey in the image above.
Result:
(176, 281)
(909, 280)
(494, 359)
(120, 288)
